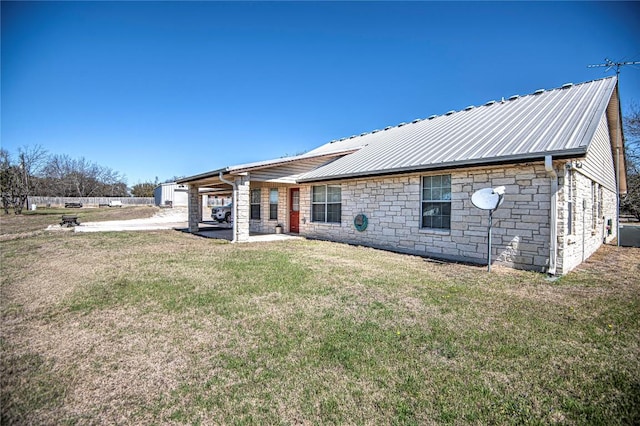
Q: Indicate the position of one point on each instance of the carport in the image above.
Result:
(214, 183)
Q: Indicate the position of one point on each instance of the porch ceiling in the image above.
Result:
(208, 181)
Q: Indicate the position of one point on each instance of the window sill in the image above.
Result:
(334, 224)
(435, 231)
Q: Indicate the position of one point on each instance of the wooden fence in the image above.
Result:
(89, 201)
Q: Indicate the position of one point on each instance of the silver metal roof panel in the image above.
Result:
(559, 122)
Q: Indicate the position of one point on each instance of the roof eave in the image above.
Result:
(518, 158)
(201, 176)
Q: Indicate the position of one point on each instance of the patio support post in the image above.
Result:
(195, 208)
(242, 209)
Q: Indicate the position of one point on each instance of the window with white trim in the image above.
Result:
(255, 204)
(326, 203)
(273, 204)
(570, 203)
(436, 202)
(595, 205)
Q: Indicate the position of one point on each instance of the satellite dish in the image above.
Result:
(488, 198)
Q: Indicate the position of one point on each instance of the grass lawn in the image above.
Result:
(167, 328)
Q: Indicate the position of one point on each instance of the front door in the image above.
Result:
(294, 210)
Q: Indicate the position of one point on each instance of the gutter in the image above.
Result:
(449, 165)
(201, 176)
(553, 242)
(234, 206)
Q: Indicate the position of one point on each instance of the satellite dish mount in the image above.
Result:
(488, 199)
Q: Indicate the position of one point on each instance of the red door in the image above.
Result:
(294, 211)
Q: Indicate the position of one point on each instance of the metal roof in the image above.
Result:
(325, 151)
(561, 121)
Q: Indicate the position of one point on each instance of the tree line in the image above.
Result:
(33, 171)
(631, 201)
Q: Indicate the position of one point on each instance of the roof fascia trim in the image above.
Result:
(213, 173)
(521, 158)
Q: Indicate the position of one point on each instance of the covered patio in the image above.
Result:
(226, 233)
(261, 209)
(267, 197)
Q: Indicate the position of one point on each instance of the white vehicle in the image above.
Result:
(223, 213)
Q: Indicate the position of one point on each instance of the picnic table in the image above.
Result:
(72, 205)
(69, 220)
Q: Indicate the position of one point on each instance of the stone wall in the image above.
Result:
(242, 210)
(521, 226)
(585, 229)
(264, 224)
(195, 208)
(393, 208)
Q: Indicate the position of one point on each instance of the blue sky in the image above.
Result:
(163, 89)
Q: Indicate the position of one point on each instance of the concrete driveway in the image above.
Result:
(176, 218)
(164, 219)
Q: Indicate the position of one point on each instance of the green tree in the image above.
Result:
(143, 189)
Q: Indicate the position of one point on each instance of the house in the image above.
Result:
(559, 153)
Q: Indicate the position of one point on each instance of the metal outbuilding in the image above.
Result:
(171, 193)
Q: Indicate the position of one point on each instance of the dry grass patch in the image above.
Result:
(31, 223)
(167, 328)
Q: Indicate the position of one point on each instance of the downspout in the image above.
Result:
(553, 242)
(234, 206)
(617, 191)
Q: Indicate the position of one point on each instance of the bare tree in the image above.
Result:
(6, 180)
(68, 177)
(631, 201)
(17, 178)
(632, 137)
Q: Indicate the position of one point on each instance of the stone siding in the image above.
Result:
(242, 211)
(592, 207)
(195, 208)
(264, 224)
(521, 226)
(393, 208)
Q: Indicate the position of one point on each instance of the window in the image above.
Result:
(436, 202)
(570, 203)
(600, 201)
(595, 205)
(326, 203)
(255, 204)
(273, 204)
